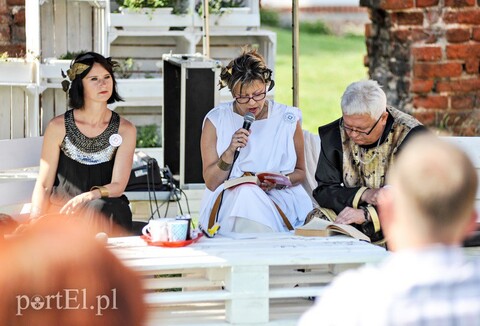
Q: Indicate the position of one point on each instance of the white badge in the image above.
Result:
(289, 117)
(115, 140)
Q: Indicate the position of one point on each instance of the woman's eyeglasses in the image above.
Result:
(246, 99)
(348, 129)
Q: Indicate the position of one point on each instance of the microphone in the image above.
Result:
(248, 119)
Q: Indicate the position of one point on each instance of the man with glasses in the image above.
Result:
(356, 152)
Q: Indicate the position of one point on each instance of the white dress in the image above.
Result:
(270, 148)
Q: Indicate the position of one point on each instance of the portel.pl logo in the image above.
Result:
(67, 299)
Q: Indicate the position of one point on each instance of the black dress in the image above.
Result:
(86, 162)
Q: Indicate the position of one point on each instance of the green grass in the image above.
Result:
(328, 64)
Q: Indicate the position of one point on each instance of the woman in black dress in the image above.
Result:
(87, 152)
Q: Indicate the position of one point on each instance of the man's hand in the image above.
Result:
(351, 215)
(370, 196)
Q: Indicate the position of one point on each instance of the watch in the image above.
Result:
(366, 214)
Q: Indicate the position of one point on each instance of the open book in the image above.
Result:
(260, 177)
(318, 227)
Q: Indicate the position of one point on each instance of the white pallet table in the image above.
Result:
(243, 279)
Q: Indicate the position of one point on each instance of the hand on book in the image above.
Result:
(265, 180)
(351, 215)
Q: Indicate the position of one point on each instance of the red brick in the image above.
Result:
(462, 85)
(462, 17)
(5, 20)
(472, 65)
(16, 2)
(430, 53)
(459, 3)
(429, 70)
(4, 34)
(457, 35)
(426, 3)
(18, 34)
(430, 102)
(366, 61)
(463, 51)
(14, 50)
(413, 35)
(19, 18)
(396, 4)
(476, 34)
(407, 18)
(421, 85)
(3, 8)
(427, 117)
(368, 30)
(464, 102)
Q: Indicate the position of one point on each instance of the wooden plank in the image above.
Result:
(47, 23)
(85, 33)
(5, 111)
(16, 192)
(47, 107)
(20, 153)
(19, 111)
(61, 27)
(60, 104)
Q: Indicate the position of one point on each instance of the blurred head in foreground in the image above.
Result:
(432, 195)
(56, 273)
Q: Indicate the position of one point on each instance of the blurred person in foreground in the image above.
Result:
(426, 212)
(87, 152)
(356, 153)
(273, 143)
(57, 273)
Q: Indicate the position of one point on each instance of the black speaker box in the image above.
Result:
(190, 91)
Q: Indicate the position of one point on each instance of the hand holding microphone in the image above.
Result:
(248, 119)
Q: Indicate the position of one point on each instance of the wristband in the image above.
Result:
(224, 166)
(104, 193)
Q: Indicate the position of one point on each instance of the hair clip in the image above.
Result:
(76, 69)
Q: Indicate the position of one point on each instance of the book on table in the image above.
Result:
(260, 177)
(318, 227)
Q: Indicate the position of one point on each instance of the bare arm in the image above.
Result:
(52, 140)
(212, 174)
(123, 159)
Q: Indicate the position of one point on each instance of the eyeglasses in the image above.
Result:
(246, 99)
(348, 129)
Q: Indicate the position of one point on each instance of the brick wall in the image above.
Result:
(12, 27)
(426, 54)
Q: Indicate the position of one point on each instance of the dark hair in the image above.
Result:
(75, 93)
(245, 69)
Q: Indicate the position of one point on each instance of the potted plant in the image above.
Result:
(150, 14)
(227, 13)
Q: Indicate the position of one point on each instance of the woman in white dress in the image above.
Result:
(274, 143)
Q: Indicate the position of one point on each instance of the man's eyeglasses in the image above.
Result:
(348, 129)
(246, 99)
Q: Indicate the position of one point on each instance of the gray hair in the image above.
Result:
(365, 96)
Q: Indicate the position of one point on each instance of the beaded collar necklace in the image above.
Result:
(357, 158)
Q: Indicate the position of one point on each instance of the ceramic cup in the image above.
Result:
(187, 218)
(177, 230)
(157, 230)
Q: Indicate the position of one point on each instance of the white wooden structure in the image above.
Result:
(265, 280)
(33, 92)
